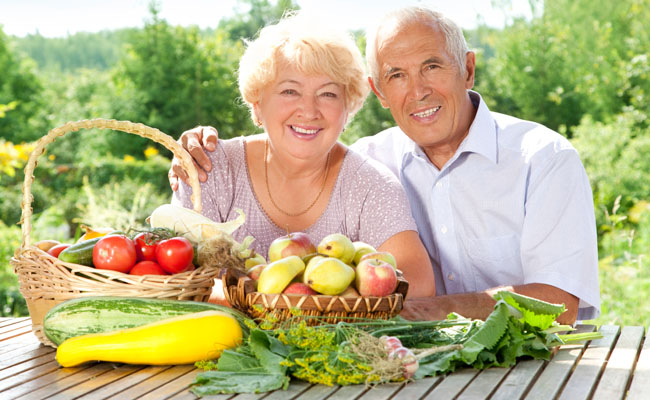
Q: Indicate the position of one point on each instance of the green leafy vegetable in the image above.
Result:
(519, 326)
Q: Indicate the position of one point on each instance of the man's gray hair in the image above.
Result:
(400, 18)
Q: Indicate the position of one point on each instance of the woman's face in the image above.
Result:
(303, 114)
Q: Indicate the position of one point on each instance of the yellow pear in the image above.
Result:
(310, 265)
(337, 245)
(360, 250)
(277, 275)
(330, 276)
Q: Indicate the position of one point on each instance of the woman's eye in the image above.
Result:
(288, 91)
(330, 94)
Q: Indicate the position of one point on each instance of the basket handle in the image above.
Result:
(124, 126)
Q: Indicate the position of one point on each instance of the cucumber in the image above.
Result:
(80, 253)
(85, 315)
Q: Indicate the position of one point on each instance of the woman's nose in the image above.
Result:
(308, 107)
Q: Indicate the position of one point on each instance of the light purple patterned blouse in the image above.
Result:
(367, 203)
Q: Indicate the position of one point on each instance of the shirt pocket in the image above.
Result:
(495, 261)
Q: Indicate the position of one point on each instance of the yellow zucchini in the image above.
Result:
(178, 340)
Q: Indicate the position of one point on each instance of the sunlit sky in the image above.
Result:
(59, 18)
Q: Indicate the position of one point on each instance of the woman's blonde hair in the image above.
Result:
(311, 47)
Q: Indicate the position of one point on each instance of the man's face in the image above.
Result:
(424, 88)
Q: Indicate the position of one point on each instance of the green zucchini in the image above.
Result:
(84, 315)
(80, 253)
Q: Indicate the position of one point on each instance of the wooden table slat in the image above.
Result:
(56, 381)
(484, 384)
(6, 323)
(614, 382)
(452, 385)
(141, 374)
(27, 376)
(27, 362)
(173, 387)
(382, 392)
(418, 389)
(318, 392)
(590, 365)
(519, 380)
(115, 373)
(348, 392)
(640, 387)
(294, 391)
(153, 382)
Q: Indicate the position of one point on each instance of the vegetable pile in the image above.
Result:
(178, 241)
(374, 351)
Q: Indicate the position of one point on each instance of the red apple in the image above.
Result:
(375, 278)
(293, 244)
(299, 288)
(255, 271)
(380, 255)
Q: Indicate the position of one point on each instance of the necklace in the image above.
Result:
(268, 190)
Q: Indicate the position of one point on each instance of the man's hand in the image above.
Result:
(195, 141)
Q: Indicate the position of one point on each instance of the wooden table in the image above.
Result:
(614, 367)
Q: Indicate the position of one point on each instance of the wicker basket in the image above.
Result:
(240, 291)
(46, 281)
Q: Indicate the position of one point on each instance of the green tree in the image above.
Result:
(19, 94)
(568, 62)
(173, 79)
(253, 15)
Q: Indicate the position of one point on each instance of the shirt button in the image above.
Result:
(451, 277)
(443, 229)
(438, 184)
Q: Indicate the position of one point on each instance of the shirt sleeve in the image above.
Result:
(385, 209)
(559, 244)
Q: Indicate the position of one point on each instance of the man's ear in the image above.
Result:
(470, 69)
(379, 95)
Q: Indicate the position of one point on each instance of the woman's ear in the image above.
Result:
(256, 114)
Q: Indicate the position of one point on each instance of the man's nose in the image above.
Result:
(419, 87)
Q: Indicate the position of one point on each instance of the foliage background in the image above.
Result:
(578, 66)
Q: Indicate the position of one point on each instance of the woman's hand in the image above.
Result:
(195, 141)
(413, 260)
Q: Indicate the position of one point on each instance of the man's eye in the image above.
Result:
(395, 76)
(431, 67)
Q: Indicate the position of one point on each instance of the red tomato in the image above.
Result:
(174, 255)
(147, 268)
(114, 252)
(56, 250)
(145, 247)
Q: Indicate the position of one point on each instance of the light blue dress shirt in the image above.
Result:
(512, 206)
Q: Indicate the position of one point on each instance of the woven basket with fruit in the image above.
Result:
(337, 280)
(103, 263)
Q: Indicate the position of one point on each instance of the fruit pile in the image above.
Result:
(337, 266)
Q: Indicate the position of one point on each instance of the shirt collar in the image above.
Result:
(481, 139)
(482, 136)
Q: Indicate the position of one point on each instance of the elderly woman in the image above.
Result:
(303, 82)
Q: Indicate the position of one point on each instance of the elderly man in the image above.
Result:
(500, 203)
